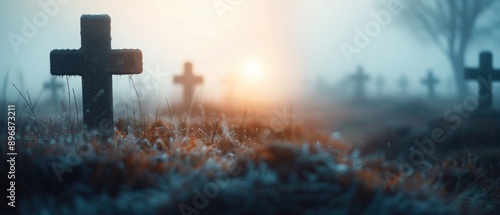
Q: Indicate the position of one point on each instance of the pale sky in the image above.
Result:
(274, 47)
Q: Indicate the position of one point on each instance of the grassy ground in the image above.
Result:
(236, 164)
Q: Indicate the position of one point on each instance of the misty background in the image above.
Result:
(294, 44)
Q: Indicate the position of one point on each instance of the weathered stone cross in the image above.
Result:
(189, 81)
(96, 62)
(53, 85)
(485, 75)
(431, 81)
(360, 78)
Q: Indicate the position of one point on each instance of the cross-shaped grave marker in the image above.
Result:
(96, 63)
(485, 75)
(53, 86)
(189, 81)
(360, 78)
(431, 81)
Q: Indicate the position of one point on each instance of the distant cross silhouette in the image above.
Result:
(431, 81)
(53, 86)
(380, 83)
(189, 81)
(96, 62)
(403, 84)
(485, 75)
(359, 79)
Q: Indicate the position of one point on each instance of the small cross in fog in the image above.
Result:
(430, 82)
(360, 78)
(53, 86)
(189, 82)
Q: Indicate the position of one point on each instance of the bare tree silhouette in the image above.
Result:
(453, 25)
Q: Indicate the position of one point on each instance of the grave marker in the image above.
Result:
(189, 82)
(485, 75)
(96, 62)
(430, 82)
(360, 78)
(53, 86)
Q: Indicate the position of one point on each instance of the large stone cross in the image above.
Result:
(96, 62)
(189, 81)
(359, 83)
(431, 81)
(53, 86)
(485, 75)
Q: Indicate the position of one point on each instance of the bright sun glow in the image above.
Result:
(253, 72)
(252, 82)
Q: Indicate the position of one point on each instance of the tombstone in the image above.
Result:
(403, 84)
(360, 78)
(96, 62)
(485, 75)
(53, 86)
(430, 82)
(380, 84)
(189, 82)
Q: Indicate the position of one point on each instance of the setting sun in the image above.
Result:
(252, 81)
(253, 72)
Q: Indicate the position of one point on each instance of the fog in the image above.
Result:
(288, 45)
